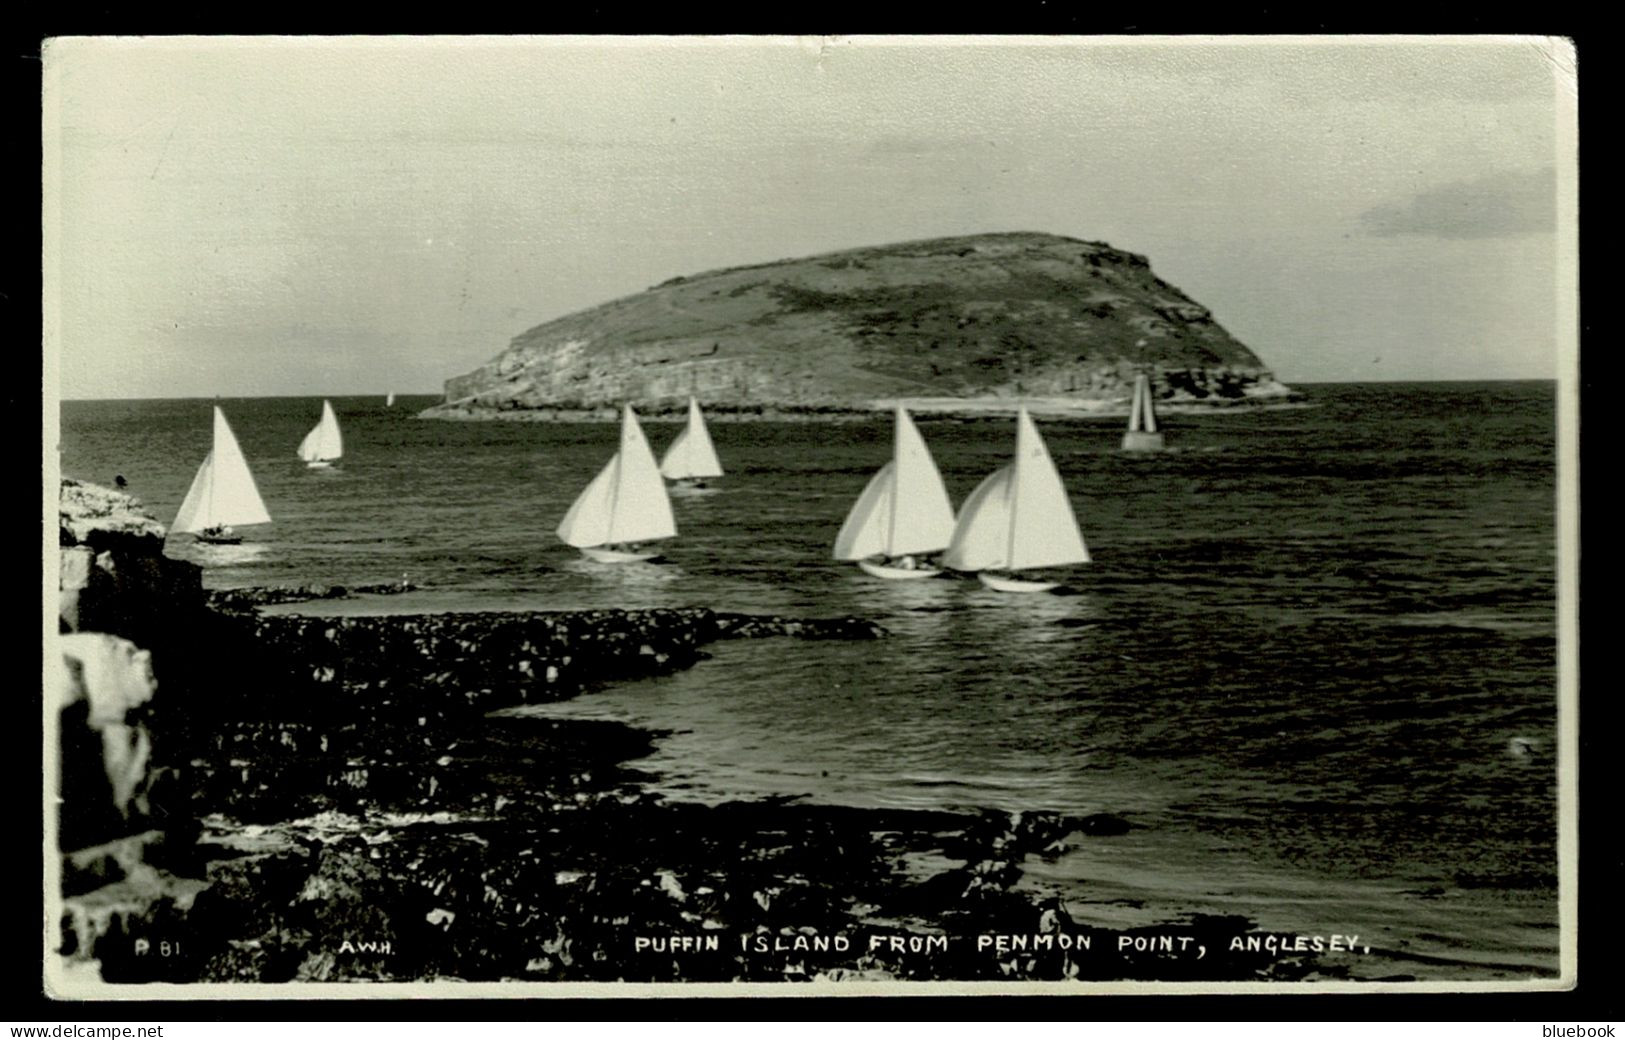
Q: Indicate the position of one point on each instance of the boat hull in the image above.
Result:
(880, 570)
(601, 555)
(319, 464)
(1002, 584)
(218, 539)
(1139, 440)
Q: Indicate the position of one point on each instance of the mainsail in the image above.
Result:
(324, 443)
(904, 508)
(223, 492)
(1020, 516)
(626, 501)
(692, 455)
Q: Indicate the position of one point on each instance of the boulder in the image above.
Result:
(114, 576)
(104, 757)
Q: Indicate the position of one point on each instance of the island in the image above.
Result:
(966, 326)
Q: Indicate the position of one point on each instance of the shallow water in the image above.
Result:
(1298, 662)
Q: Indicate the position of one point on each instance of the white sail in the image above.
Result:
(223, 492)
(864, 532)
(904, 508)
(1142, 418)
(1020, 516)
(982, 536)
(191, 519)
(389, 401)
(324, 443)
(626, 501)
(922, 517)
(1043, 529)
(587, 522)
(692, 455)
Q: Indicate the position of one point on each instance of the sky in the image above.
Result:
(258, 217)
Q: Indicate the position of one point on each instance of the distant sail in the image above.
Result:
(904, 509)
(324, 443)
(389, 402)
(223, 492)
(1142, 417)
(691, 455)
(626, 501)
(1020, 516)
(1142, 435)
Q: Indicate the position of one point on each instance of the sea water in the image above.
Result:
(1313, 661)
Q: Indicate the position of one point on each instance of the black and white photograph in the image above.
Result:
(846, 516)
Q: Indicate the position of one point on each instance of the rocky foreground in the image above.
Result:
(270, 799)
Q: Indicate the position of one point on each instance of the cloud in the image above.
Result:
(1500, 205)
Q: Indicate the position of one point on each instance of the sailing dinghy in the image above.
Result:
(1017, 519)
(692, 459)
(223, 493)
(323, 445)
(624, 505)
(1142, 432)
(903, 513)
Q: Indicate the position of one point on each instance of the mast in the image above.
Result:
(1044, 528)
(897, 461)
(615, 481)
(214, 457)
(1013, 491)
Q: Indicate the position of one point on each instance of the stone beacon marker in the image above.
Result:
(1142, 432)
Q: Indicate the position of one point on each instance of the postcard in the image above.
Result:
(558, 516)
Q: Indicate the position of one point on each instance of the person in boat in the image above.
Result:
(216, 531)
(913, 562)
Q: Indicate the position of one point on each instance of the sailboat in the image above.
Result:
(625, 504)
(1142, 432)
(903, 513)
(1018, 518)
(222, 494)
(691, 458)
(324, 444)
(389, 400)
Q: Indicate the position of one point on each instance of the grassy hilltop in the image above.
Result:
(975, 317)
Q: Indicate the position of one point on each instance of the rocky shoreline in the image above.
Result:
(271, 595)
(926, 409)
(266, 799)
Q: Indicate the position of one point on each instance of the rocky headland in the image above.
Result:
(963, 325)
(251, 798)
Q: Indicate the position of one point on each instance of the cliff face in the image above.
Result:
(1001, 315)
